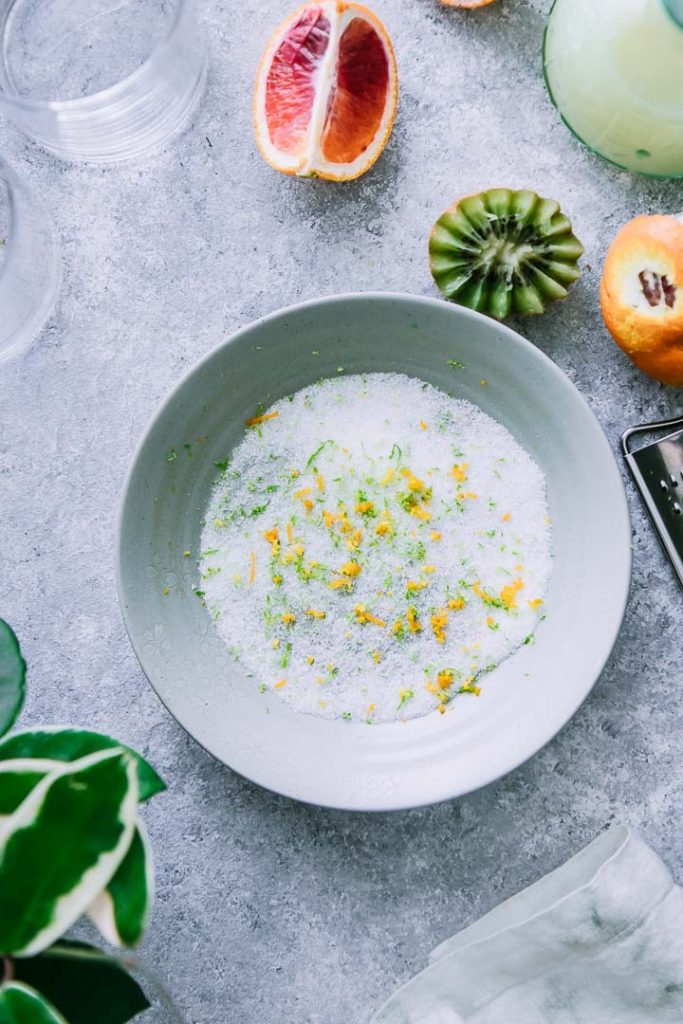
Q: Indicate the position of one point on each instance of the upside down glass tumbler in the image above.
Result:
(100, 81)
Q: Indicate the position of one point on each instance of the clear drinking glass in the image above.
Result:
(614, 69)
(100, 80)
(30, 266)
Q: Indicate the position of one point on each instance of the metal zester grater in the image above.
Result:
(657, 469)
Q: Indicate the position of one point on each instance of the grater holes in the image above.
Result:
(678, 511)
(664, 486)
(674, 480)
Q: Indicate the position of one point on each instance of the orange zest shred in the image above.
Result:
(280, 683)
(486, 598)
(536, 603)
(313, 613)
(413, 482)
(273, 538)
(363, 616)
(435, 535)
(445, 678)
(508, 594)
(414, 585)
(439, 623)
(414, 624)
(469, 687)
(460, 472)
(252, 568)
(354, 540)
(288, 618)
(255, 420)
(456, 604)
(388, 476)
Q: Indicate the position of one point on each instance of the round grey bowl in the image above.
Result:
(524, 702)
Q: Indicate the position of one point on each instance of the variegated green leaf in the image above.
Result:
(18, 778)
(61, 847)
(20, 1004)
(86, 985)
(12, 678)
(59, 743)
(122, 909)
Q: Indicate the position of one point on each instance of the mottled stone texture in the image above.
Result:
(269, 911)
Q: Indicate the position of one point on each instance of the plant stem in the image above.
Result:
(7, 969)
(133, 964)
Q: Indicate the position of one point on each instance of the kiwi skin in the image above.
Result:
(504, 252)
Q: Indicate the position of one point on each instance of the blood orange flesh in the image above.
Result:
(290, 87)
(326, 92)
(359, 95)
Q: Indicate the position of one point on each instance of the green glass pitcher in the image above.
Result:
(614, 70)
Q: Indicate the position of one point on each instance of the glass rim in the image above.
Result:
(12, 182)
(16, 337)
(95, 99)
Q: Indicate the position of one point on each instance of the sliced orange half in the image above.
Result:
(326, 92)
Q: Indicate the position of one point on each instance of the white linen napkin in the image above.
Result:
(599, 941)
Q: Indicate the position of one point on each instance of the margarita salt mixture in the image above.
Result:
(374, 547)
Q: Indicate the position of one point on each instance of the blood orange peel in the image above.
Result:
(466, 4)
(326, 92)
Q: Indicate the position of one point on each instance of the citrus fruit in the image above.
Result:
(642, 295)
(326, 92)
(503, 252)
(466, 4)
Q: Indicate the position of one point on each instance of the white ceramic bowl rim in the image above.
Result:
(383, 789)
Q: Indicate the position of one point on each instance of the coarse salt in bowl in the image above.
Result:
(334, 761)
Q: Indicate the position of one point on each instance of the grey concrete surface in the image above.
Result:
(268, 911)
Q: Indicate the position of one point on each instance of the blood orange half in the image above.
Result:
(326, 92)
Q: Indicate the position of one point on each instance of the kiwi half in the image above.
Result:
(503, 252)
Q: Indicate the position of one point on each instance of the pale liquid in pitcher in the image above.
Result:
(615, 72)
